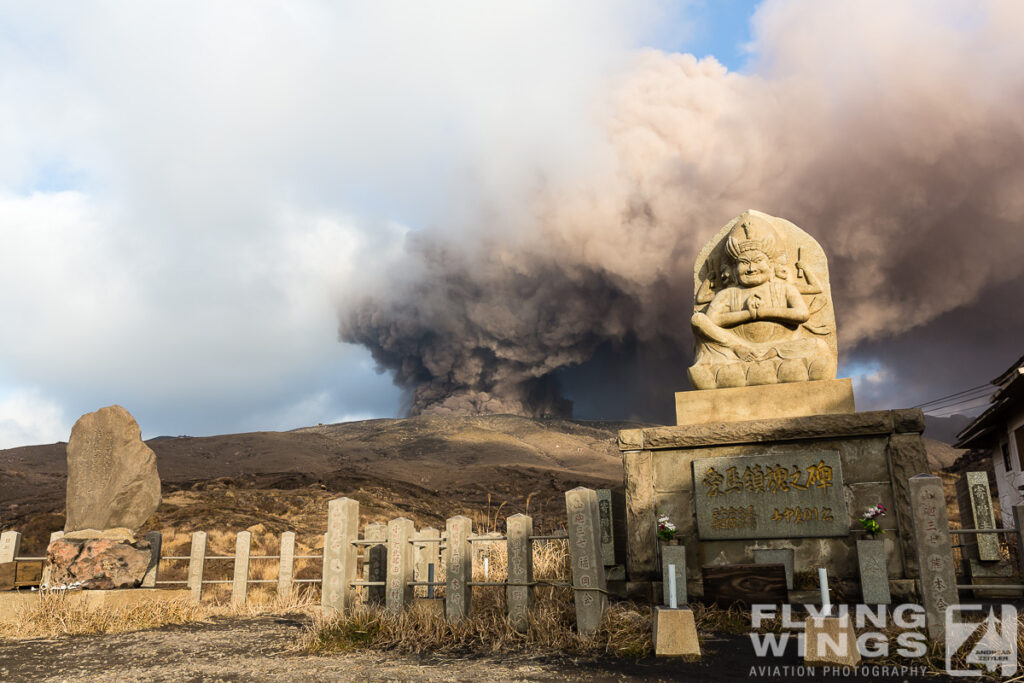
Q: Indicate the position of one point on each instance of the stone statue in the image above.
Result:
(756, 320)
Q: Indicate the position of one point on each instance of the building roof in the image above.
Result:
(987, 427)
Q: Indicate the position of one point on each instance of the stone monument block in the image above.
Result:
(112, 475)
(762, 307)
(874, 576)
(975, 502)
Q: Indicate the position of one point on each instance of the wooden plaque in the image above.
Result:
(28, 573)
(745, 583)
(7, 571)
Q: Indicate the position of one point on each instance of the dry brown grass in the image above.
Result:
(625, 631)
(58, 613)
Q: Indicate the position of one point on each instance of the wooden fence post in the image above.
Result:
(340, 555)
(427, 554)
(518, 529)
(286, 568)
(400, 563)
(44, 580)
(375, 562)
(459, 570)
(155, 540)
(196, 562)
(240, 585)
(10, 544)
(588, 579)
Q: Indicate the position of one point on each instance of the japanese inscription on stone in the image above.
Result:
(783, 495)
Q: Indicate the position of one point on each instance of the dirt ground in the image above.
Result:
(264, 649)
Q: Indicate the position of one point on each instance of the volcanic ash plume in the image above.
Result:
(893, 134)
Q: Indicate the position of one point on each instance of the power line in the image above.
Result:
(988, 387)
(967, 398)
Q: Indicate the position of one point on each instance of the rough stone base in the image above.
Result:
(831, 641)
(98, 563)
(675, 632)
(795, 399)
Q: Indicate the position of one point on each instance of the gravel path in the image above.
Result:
(258, 649)
(264, 649)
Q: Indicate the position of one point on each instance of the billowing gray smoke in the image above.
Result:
(892, 133)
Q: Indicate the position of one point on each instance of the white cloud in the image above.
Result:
(27, 417)
(186, 188)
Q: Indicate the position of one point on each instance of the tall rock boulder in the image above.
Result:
(112, 476)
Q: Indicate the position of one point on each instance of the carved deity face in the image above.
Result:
(753, 268)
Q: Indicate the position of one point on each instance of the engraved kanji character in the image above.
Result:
(819, 475)
(794, 479)
(753, 479)
(713, 480)
(732, 480)
(777, 479)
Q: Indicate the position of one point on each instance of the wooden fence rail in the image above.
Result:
(401, 564)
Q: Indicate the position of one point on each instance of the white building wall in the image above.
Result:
(1009, 482)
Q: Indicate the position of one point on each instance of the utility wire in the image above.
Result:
(941, 399)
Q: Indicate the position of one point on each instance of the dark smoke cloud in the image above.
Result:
(893, 134)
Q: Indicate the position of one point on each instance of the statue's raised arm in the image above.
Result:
(752, 332)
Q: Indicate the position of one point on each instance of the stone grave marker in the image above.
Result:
(975, 502)
(459, 569)
(400, 564)
(588, 577)
(519, 528)
(874, 574)
(931, 535)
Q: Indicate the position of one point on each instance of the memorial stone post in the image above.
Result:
(286, 568)
(196, 564)
(340, 555)
(400, 563)
(519, 528)
(931, 537)
(240, 583)
(375, 563)
(459, 568)
(588, 578)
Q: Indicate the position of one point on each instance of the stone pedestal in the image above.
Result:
(101, 563)
(859, 460)
(874, 577)
(830, 641)
(675, 632)
(769, 401)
